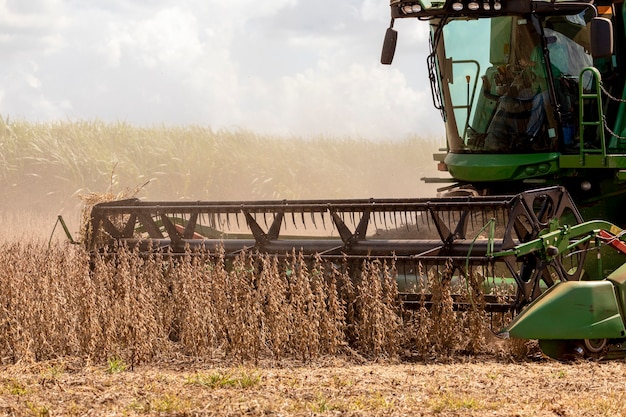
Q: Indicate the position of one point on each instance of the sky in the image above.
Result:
(282, 67)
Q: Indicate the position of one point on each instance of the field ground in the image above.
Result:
(462, 387)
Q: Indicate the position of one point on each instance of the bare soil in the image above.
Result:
(463, 386)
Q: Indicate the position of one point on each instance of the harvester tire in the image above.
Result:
(594, 346)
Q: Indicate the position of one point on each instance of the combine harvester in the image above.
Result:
(532, 97)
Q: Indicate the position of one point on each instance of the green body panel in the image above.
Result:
(572, 310)
(606, 200)
(501, 167)
(618, 278)
(615, 161)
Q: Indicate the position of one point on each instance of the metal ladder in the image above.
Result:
(598, 122)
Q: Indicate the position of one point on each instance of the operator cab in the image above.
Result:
(507, 76)
(497, 92)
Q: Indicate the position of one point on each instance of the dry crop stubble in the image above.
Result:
(139, 308)
(145, 309)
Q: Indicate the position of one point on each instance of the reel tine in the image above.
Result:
(482, 216)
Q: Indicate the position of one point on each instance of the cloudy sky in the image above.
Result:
(283, 67)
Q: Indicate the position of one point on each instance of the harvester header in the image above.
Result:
(422, 237)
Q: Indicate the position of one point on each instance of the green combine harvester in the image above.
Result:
(532, 94)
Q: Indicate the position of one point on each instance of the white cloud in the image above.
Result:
(19, 14)
(374, 10)
(32, 81)
(287, 66)
(31, 25)
(170, 37)
(360, 101)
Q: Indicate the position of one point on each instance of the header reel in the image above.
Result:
(421, 236)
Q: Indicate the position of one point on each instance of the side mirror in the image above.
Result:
(389, 46)
(601, 37)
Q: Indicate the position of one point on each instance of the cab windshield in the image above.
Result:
(496, 83)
